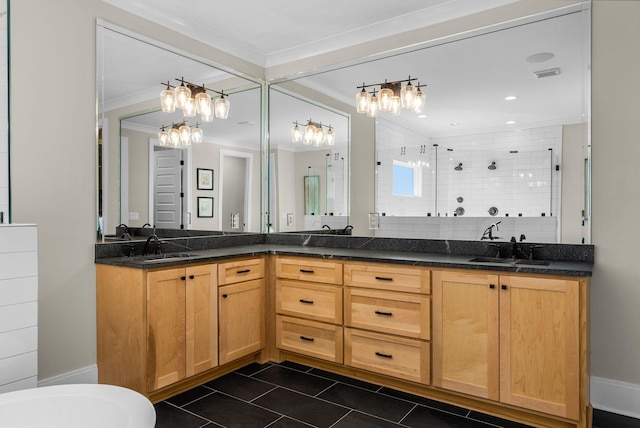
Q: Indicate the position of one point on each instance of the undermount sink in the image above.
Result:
(509, 261)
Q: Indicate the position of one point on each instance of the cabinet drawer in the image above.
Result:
(309, 269)
(387, 312)
(388, 277)
(311, 338)
(390, 355)
(308, 300)
(240, 270)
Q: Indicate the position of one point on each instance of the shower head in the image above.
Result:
(493, 166)
(459, 167)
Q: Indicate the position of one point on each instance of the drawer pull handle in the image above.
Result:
(386, 314)
(243, 271)
(306, 270)
(383, 278)
(307, 339)
(309, 302)
(380, 354)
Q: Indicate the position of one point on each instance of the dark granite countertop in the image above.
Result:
(570, 260)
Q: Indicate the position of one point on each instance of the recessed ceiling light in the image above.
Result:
(422, 116)
(510, 97)
(510, 122)
(540, 57)
(455, 123)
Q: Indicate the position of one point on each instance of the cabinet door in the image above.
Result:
(165, 327)
(539, 344)
(241, 312)
(201, 319)
(465, 332)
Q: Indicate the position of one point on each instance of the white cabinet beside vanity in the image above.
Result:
(18, 307)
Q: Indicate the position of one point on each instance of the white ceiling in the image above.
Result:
(467, 79)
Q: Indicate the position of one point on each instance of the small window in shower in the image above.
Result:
(406, 179)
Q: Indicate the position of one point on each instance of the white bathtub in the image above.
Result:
(75, 406)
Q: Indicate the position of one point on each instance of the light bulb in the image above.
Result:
(395, 106)
(168, 101)
(408, 94)
(296, 133)
(418, 102)
(163, 137)
(309, 134)
(330, 137)
(221, 108)
(189, 109)
(318, 138)
(363, 98)
(197, 135)
(384, 98)
(374, 106)
(174, 137)
(185, 134)
(203, 102)
(207, 115)
(182, 94)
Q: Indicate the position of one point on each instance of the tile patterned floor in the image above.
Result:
(290, 395)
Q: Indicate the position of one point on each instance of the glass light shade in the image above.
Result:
(185, 134)
(407, 95)
(207, 115)
(309, 134)
(221, 108)
(168, 101)
(384, 98)
(203, 102)
(163, 137)
(374, 106)
(296, 134)
(395, 106)
(318, 138)
(363, 99)
(174, 137)
(182, 94)
(330, 137)
(189, 109)
(197, 135)
(418, 102)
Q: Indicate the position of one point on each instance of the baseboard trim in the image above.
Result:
(84, 375)
(615, 396)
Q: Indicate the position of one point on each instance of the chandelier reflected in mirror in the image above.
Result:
(180, 135)
(391, 97)
(193, 99)
(313, 134)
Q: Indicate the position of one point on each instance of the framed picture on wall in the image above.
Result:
(205, 179)
(205, 207)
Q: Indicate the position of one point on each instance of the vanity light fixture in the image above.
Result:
(180, 135)
(313, 134)
(392, 97)
(193, 99)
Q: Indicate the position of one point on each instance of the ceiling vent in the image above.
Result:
(547, 73)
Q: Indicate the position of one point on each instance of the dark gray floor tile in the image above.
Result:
(367, 402)
(603, 419)
(345, 379)
(168, 416)
(360, 420)
(189, 396)
(425, 401)
(294, 379)
(239, 386)
(285, 422)
(253, 368)
(231, 412)
(295, 366)
(496, 421)
(430, 418)
(302, 407)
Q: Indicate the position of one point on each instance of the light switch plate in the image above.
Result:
(134, 215)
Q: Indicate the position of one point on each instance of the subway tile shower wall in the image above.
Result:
(525, 181)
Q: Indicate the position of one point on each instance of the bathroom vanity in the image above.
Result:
(504, 338)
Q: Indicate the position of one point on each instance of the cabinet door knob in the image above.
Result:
(243, 271)
(309, 302)
(492, 286)
(504, 287)
(386, 314)
(184, 278)
(224, 296)
(380, 354)
(191, 276)
(307, 339)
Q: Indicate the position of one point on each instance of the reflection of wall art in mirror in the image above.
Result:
(205, 206)
(205, 179)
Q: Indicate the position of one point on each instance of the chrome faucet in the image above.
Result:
(488, 232)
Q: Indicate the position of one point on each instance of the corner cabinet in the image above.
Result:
(516, 339)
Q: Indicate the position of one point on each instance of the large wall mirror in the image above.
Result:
(309, 163)
(475, 157)
(213, 184)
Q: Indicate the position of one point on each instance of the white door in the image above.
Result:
(235, 190)
(168, 188)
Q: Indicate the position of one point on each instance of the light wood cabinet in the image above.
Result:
(241, 314)
(512, 338)
(320, 302)
(315, 339)
(181, 323)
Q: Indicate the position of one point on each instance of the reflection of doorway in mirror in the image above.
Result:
(235, 190)
(168, 187)
(312, 195)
